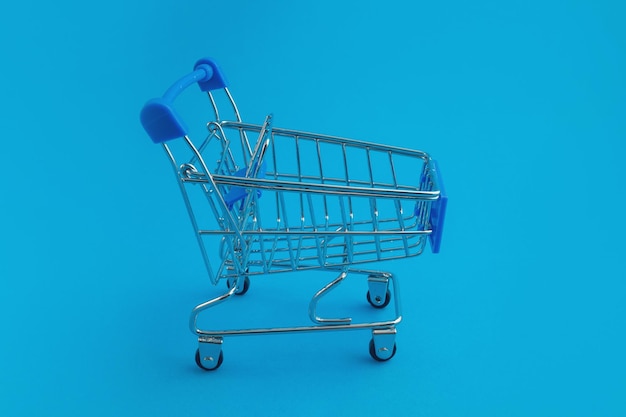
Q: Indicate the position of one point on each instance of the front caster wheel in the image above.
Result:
(378, 302)
(384, 354)
(242, 291)
(199, 361)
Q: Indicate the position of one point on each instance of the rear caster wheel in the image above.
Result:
(384, 354)
(242, 291)
(199, 361)
(377, 302)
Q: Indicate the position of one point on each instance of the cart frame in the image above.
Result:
(238, 186)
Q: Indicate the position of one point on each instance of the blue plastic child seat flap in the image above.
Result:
(438, 212)
(161, 122)
(236, 194)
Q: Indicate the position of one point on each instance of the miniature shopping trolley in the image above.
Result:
(264, 200)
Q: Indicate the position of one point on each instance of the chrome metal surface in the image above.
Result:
(384, 342)
(377, 287)
(393, 321)
(210, 349)
(313, 304)
(237, 282)
(295, 201)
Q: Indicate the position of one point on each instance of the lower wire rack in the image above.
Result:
(382, 289)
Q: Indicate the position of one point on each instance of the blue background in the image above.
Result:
(522, 103)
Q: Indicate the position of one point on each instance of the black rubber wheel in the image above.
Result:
(384, 304)
(373, 352)
(246, 286)
(199, 361)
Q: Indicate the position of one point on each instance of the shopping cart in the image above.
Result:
(265, 200)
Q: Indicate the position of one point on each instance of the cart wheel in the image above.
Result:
(246, 286)
(375, 356)
(380, 305)
(199, 361)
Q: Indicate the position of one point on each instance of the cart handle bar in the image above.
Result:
(158, 117)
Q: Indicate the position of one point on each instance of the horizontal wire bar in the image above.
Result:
(329, 139)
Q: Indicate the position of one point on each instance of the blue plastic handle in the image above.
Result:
(438, 212)
(158, 117)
